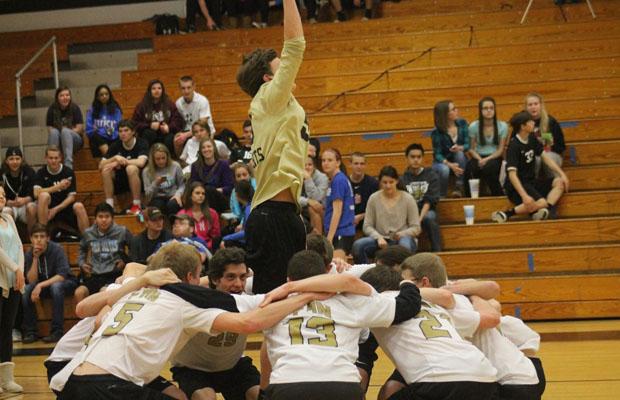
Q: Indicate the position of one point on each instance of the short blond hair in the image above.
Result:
(426, 265)
(181, 258)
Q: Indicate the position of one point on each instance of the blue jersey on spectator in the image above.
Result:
(105, 125)
(340, 189)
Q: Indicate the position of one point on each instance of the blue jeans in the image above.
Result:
(57, 292)
(68, 141)
(430, 226)
(366, 247)
(444, 173)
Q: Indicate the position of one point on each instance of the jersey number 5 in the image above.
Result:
(322, 326)
(124, 316)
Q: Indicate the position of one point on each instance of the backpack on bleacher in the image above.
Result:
(166, 24)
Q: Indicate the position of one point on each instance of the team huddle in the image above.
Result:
(323, 320)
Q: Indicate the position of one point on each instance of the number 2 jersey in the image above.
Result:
(281, 136)
(428, 348)
(319, 342)
(217, 353)
(145, 328)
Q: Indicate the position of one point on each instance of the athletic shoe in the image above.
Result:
(29, 338)
(540, 215)
(135, 210)
(259, 25)
(499, 216)
(52, 338)
(312, 20)
(17, 335)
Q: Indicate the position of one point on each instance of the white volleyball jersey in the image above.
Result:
(356, 270)
(428, 348)
(72, 342)
(319, 342)
(513, 367)
(521, 335)
(217, 353)
(139, 335)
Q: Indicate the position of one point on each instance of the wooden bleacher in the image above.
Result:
(544, 268)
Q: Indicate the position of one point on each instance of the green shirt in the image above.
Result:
(488, 147)
(280, 130)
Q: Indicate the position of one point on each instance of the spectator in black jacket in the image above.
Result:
(363, 186)
(144, 244)
(423, 184)
(48, 275)
(545, 124)
(17, 178)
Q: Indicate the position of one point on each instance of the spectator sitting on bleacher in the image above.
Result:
(205, 220)
(163, 181)
(263, 9)
(192, 106)
(183, 232)
(363, 186)
(391, 218)
(120, 167)
(450, 144)
(55, 190)
(214, 173)
(314, 150)
(537, 197)
(244, 151)
(487, 141)
(423, 184)
(212, 12)
(102, 121)
(156, 117)
(313, 195)
(144, 244)
(245, 193)
(102, 252)
(339, 208)
(17, 178)
(545, 125)
(65, 125)
(49, 276)
(242, 172)
(200, 131)
(367, 8)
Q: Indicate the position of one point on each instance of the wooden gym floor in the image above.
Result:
(581, 361)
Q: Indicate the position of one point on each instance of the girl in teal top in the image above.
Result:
(487, 140)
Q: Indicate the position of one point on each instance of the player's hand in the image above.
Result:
(20, 280)
(319, 296)
(341, 265)
(36, 293)
(281, 292)
(160, 277)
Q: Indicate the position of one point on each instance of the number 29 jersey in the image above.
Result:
(319, 342)
(428, 348)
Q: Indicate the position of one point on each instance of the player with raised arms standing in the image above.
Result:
(274, 229)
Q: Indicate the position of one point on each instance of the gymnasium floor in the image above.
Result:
(581, 360)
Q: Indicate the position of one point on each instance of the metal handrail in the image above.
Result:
(18, 83)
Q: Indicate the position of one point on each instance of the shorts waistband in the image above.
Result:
(277, 205)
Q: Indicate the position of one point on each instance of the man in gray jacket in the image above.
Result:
(102, 252)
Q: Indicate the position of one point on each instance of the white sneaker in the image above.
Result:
(540, 215)
(17, 335)
(312, 21)
(499, 216)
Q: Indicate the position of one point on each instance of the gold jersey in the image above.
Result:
(280, 130)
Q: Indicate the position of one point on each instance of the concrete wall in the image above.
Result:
(89, 16)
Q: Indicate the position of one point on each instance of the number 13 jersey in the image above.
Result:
(319, 342)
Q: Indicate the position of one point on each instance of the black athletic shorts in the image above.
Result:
(538, 189)
(367, 355)
(519, 392)
(274, 232)
(232, 383)
(121, 181)
(54, 367)
(343, 243)
(66, 216)
(542, 380)
(314, 391)
(95, 282)
(159, 384)
(107, 387)
(462, 390)
(96, 141)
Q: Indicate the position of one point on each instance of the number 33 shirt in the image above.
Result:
(319, 342)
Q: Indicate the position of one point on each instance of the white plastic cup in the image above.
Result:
(474, 188)
(469, 214)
